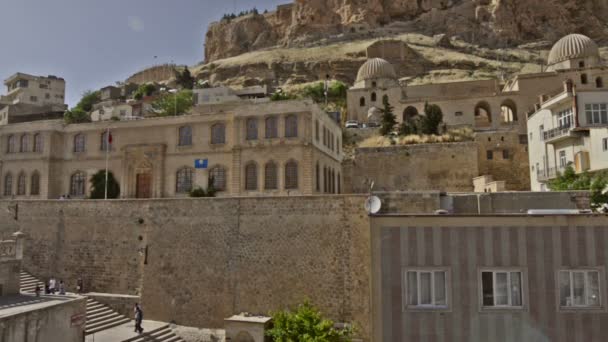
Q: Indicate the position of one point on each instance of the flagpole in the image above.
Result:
(107, 161)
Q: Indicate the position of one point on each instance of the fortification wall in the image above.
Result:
(444, 167)
(158, 73)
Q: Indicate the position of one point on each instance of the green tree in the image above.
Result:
(184, 79)
(144, 90)
(200, 192)
(569, 180)
(306, 324)
(173, 104)
(89, 98)
(388, 119)
(98, 183)
(76, 115)
(429, 124)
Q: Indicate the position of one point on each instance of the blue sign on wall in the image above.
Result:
(201, 163)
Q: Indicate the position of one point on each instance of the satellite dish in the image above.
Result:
(373, 205)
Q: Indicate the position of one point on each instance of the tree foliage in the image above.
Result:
(98, 183)
(144, 90)
(569, 180)
(200, 192)
(76, 115)
(388, 120)
(89, 98)
(306, 324)
(184, 79)
(173, 104)
(433, 116)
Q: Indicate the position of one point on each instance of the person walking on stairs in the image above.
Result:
(139, 316)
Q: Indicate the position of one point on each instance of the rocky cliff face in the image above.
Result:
(493, 23)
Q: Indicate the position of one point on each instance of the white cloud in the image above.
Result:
(136, 24)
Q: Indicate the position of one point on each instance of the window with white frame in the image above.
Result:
(579, 289)
(596, 113)
(501, 289)
(563, 161)
(565, 118)
(426, 288)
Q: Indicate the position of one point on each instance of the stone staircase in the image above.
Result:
(101, 317)
(162, 334)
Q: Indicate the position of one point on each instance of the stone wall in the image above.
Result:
(444, 167)
(511, 166)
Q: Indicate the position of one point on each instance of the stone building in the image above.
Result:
(275, 148)
(493, 108)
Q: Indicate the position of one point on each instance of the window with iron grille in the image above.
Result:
(218, 134)
(251, 177)
(25, 143)
(270, 176)
(218, 175)
(79, 143)
(184, 180)
(77, 183)
(8, 184)
(21, 184)
(10, 144)
(291, 175)
(271, 127)
(35, 184)
(252, 129)
(291, 126)
(37, 142)
(185, 136)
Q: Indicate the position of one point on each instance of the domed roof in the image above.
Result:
(376, 68)
(573, 46)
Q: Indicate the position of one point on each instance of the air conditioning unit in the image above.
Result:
(581, 162)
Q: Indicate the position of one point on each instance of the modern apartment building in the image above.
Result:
(34, 90)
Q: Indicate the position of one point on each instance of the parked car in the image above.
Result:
(351, 124)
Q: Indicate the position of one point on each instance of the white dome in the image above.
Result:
(376, 68)
(573, 46)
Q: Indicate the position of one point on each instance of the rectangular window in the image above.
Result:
(33, 98)
(605, 144)
(489, 155)
(501, 289)
(505, 154)
(47, 96)
(541, 130)
(458, 114)
(565, 118)
(596, 113)
(562, 159)
(426, 289)
(579, 289)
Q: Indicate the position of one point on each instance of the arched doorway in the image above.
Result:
(244, 336)
(410, 113)
(483, 114)
(508, 111)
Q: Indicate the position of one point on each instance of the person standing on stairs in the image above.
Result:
(139, 316)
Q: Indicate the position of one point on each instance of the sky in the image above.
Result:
(94, 43)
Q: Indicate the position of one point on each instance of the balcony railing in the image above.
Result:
(556, 132)
(546, 174)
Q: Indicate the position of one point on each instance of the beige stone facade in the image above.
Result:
(271, 148)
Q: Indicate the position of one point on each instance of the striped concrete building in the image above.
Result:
(489, 278)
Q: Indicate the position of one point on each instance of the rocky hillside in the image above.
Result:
(448, 40)
(490, 23)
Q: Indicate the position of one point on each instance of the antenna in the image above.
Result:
(373, 205)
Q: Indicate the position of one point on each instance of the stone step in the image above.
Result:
(93, 306)
(108, 316)
(98, 313)
(162, 334)
(92, 329)
(98, 310)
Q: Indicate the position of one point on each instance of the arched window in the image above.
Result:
(584, 78)
(185, 136)
(291, 175)
(218, 175)
(599, 82)
(8, 184)
(21, 184)
(10, 144)
(291, 126)
(77, 183)
(270, 176)
(317, 130)
(251, 176)
(252, 129)
(331, 181)
(272, 129)
(184, 180)
(508, 111)
(79, 143)
(25, 143)
(362, 101)
(339, 184)
(373, 99)
(483, 114)
(35, 184)
(105, 141)
(37, 142)
(374, 84)
(218, 134)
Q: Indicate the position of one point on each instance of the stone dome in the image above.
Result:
(376, 68)
(573, 46)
